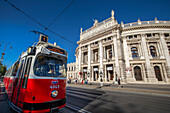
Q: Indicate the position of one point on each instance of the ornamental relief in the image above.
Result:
(98, 29)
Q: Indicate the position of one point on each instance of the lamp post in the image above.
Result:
(4, 50)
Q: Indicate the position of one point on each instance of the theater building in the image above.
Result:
(137, 52)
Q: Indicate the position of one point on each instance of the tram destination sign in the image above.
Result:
(56, 50)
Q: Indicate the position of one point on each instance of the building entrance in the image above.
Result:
(95, 73)
(84, 73)
(137, 73)
(109, 73)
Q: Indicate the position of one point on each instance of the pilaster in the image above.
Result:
(80, 57)
(101, 58)
(166, 52)
(129, 76)
(149, 70)
(117, 69)
(89, 60)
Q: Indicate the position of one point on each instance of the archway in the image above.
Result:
(137, 73)
(158, 73)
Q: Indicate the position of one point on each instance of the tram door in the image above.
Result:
(20, 89)
(13, 80)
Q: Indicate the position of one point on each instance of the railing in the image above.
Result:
(145, 22)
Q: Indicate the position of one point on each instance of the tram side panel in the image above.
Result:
(13, 80)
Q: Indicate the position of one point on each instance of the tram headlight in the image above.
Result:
(54, 93)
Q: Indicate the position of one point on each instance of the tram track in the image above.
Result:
(78, 98)
(75, 109)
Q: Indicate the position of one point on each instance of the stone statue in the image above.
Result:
(95, 22)
(81, 30)
(112, 13)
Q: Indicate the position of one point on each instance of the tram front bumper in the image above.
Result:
(46, 105)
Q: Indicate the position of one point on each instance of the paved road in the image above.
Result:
(119, 102)
(91, 99)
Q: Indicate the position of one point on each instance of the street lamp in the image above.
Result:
(2, 58)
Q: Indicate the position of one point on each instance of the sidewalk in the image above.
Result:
(152, 89)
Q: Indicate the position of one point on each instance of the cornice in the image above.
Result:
(148, 26)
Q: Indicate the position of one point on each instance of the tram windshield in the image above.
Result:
(52, 67)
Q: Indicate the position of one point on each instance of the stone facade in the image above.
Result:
(71, 71)
(135, 52)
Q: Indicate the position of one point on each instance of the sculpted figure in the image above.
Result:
(95, 22)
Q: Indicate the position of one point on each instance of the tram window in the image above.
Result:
(26, 74)
(20, 71)
(15, 69)
(47, 66)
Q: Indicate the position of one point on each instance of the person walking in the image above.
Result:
(101, 82)
(119, 84)
(76, 81)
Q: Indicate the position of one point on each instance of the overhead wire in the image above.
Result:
(46, 28)
(60, 14)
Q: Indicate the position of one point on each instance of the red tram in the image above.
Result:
(37, 81)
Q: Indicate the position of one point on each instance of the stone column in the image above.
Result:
(117, 69)
(105, 72)
(104, 52)
(130, 52)
(164, 72)
(80, 57)
(112, 52)
(160, 51)
(129, 76)
(101, 58)
(141, 52)
(149, 70)
(80, 61)
(89, 60)
(92, 56)
(166, 53)
(92, 72)
(144, 73)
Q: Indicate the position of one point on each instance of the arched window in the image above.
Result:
(153, 51)
(134, 52)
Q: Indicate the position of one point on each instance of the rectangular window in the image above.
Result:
(15, 68)
(26, 74)
(19, 73)
(166, 35)
(135, 36)
(130, 37)
(149, 35)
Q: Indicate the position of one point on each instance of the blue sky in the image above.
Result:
(15, 27)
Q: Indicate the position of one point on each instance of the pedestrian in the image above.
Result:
(119, 86)
(76, 81)
(101, 82)
(68, 81)
(82, 81)
(86, 81)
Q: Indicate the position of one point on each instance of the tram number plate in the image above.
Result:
(54, 110)
(54, 86)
